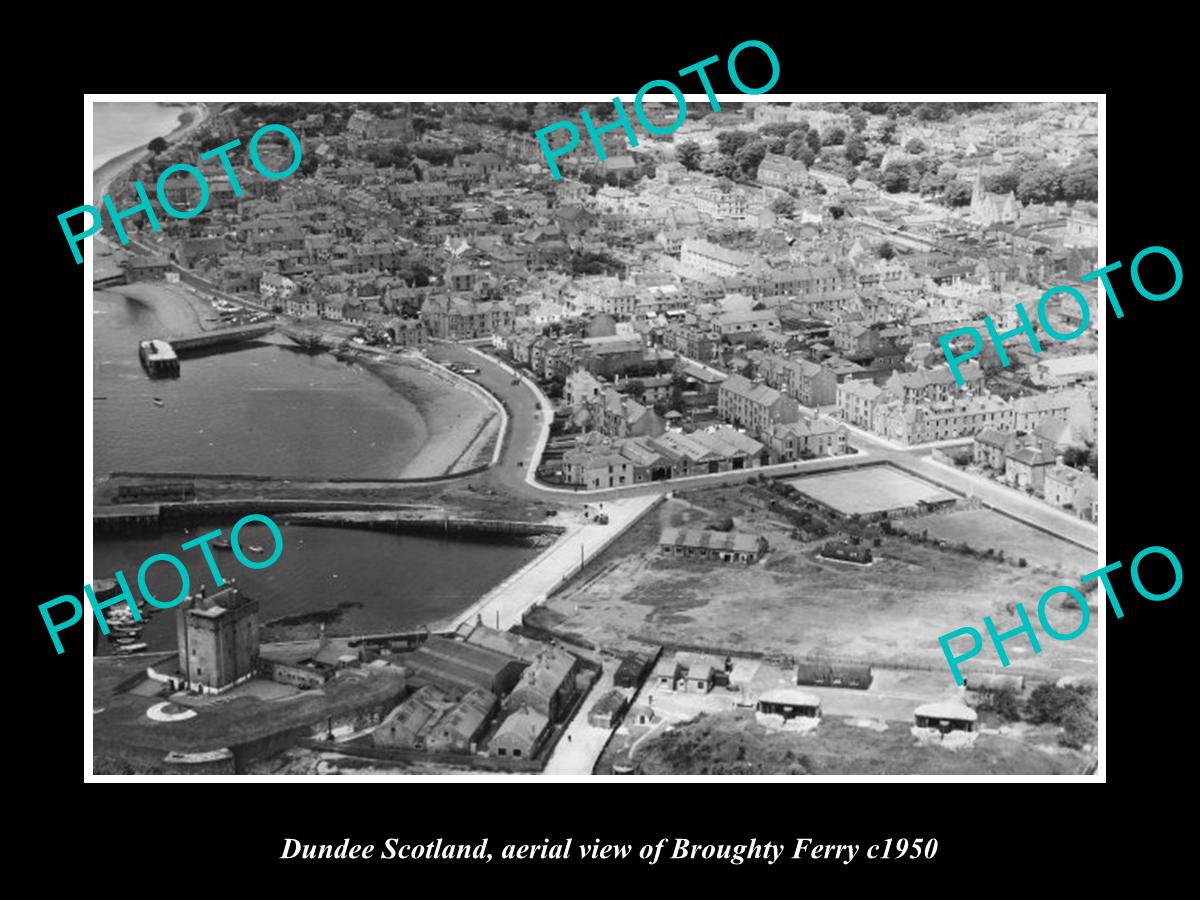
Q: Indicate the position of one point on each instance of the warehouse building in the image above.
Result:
(520, 735)
(460, 667)
(788, 704)
(459, 730)
(726, 546)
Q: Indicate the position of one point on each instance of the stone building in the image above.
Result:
(218, 640)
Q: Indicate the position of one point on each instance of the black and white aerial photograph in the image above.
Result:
(479, 439)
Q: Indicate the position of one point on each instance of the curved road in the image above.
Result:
(526, 423)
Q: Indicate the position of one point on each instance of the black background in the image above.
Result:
(1001, 829)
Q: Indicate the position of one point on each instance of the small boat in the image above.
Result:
(158, 401)
(254, 548)
(222, 544)
(130, 648)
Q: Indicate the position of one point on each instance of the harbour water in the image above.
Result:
(387, 582)
(265, 409)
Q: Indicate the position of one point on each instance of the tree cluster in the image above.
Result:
(1041, 181)
(1069, 707)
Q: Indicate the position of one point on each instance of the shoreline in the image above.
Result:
(104, 174)
(456, 424)
(173, 305)
(452, 420)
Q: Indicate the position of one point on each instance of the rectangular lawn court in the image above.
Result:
(868, 490)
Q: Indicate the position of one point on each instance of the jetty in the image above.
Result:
(206, 339)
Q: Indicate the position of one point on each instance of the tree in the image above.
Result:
(886, 250)
(1007, 704)
(834, 134)
(1051, 704)
(500, 215)
(1080, 458)
(858, 121)
(730, 142)
(158, 145)
(814, 141)
(689, 155)
(783, 206)
(958, 193)
(433, 154)
(856, 148)
(777, 129)
(750, 155)
(888, 132)
(934, 112)
(774, 144)
(933, 183)
(915, 146)
(1040, 185)
(794, 142)
(721, 166)
(1080, 180)
(895, 177)
(1079, 727)
(1002, 183)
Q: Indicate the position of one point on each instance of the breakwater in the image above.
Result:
(423, 522)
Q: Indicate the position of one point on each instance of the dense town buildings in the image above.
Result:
(685, 314)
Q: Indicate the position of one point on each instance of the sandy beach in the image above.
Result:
(104, 175)
(181, 311)
(453, 418)
(457, 424)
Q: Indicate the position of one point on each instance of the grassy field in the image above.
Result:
(869, 490)
(796, 602)
(733, 743)
(983, 528)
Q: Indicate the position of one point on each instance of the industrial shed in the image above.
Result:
(833, 674)
(520, 735)
(460, 728)
(402, 726)
(992, 683)
(789, 703)
(459, 666)
(607, 710)
(726, 546)
(631, 671)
